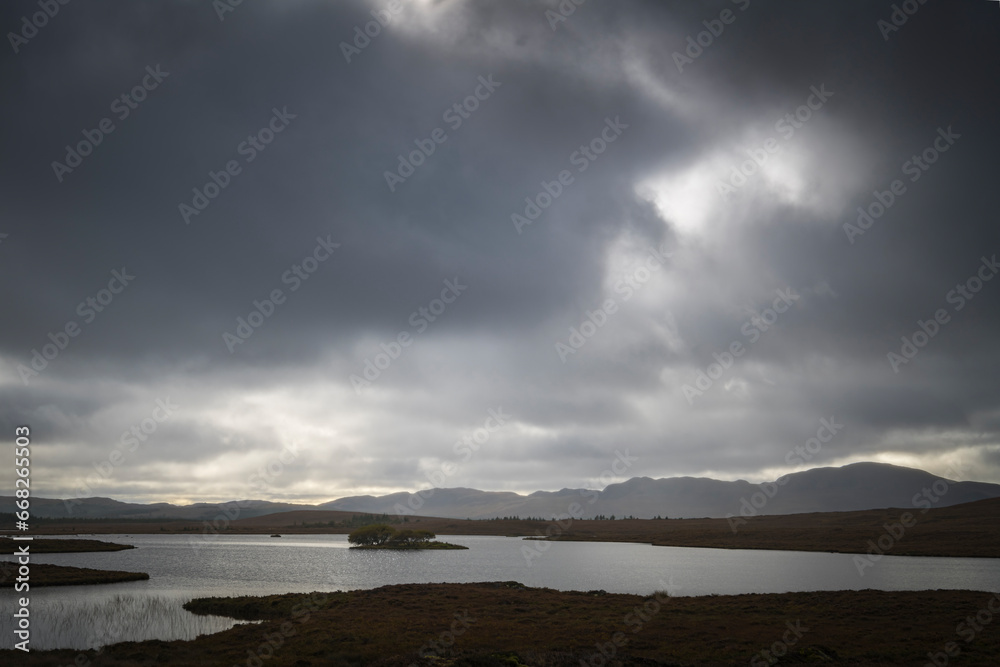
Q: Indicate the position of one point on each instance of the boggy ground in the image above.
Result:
(504, 623)
(57, 546)
(63, 575)
(968, 530)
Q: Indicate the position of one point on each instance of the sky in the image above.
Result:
(303, 250)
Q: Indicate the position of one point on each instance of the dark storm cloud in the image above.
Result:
(322, 180)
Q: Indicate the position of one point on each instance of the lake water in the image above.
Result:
(92, 616)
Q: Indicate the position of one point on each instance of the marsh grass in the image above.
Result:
(519, 626)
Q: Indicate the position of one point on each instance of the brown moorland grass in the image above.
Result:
(967, 530)
(62, 575)
(299, 522)
(57, 546)
(508, 624)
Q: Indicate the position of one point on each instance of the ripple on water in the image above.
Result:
(91, 621)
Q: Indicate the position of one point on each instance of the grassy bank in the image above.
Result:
(508, 624)
(57, 546)
(967, 530)
(62, 575)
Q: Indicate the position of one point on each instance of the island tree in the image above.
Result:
(373, 535)
(385, 535)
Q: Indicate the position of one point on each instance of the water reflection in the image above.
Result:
(85, 619)
(90, 616)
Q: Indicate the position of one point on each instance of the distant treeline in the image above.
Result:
(5, 518)
(599, 517)
(357, 520)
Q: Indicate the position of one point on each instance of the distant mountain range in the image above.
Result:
(859, 486)
(107, 508)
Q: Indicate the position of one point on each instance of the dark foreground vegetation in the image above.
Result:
(57, 546)
(506, 624)
(62, 575)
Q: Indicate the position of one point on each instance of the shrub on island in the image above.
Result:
(382, 536)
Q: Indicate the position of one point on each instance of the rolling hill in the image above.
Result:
(855, 487)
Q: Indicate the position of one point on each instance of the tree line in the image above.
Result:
(381, 534)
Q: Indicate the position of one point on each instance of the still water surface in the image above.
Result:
(92, 616)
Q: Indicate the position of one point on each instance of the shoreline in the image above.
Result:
(45, 545)
(958, 531)
(507, 623)
(430, 546)
(43, 574)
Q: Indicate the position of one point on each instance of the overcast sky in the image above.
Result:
(622, 197)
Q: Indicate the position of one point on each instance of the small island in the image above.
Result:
(382, 536)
